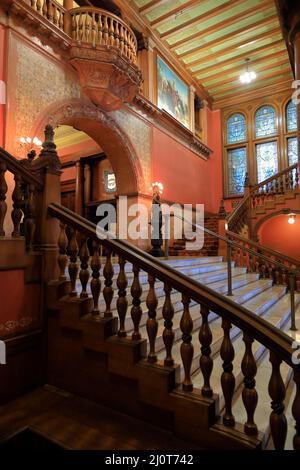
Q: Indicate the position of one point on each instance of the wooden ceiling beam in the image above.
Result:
(226, 37)
(203, 17)
(258, 70)
(249, 88)
(238, 67)
(237, 85)
(161, 19)
(238, 98)
(149, 6)
(222, 24)
(232, 48)
(258, 50)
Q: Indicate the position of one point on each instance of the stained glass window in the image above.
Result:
(267, 161)
(291, 116)
(265, 121)
(237, 167)
(292, 150)
(236, 128)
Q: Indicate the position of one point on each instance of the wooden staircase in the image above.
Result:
(168, 360)
(272, 196)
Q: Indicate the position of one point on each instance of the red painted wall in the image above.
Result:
(187, 178)
(277, 234)
(2, 77)
(19, 311)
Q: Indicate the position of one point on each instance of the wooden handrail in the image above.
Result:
(14, 166)
(264, 332)
(274, 177)
(263, 248)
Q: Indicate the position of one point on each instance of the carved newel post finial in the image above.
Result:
(48, 157)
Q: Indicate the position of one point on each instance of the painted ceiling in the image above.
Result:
(213, 39)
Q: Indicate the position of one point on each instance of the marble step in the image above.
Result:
(249, 287)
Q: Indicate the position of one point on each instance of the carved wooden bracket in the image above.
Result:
(106, 77)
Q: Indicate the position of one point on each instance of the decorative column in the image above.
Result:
(203, 120)
(147, 65)
(79, 188)
(192, 108)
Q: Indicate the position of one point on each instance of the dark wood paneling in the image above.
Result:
(24, 368)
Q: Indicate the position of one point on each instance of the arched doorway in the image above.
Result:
(103, 129)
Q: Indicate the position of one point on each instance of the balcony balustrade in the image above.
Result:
(100, 46)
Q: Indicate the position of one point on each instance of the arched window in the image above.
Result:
(265, 121)
(236, 128)
(291, 116)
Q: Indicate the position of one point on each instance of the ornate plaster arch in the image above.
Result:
(100, 126)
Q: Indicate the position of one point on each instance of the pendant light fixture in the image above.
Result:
(248, 76)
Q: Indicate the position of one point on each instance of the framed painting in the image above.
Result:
(172, 93)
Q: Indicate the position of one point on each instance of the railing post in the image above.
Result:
(229, 268)
(48, 167)
(292, 295)
(68, 4)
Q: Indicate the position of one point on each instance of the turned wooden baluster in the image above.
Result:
(86, 34)
(122, 39)
(136, 311)
(111, 33)
(168, 333)
(30, 225)
(105, 31)
(227, 378)
(152, 324)
(186, 348)
(95, 282)
(100, 30)
(80, 28)
(117, 35)
(73, 266)
(61, 20)
(17, 198)
(296, 409)
(278, 423)
(84, 273)
(55, 15)
(93, 31)
(3, 191)
(108, 293)
(33, 4)
(45, 8)
(62, 250)
(39, 5)
(50, 11)
(249, 393)
(206, 362)
(122, 302)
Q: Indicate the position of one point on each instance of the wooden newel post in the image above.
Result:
(47, 166)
